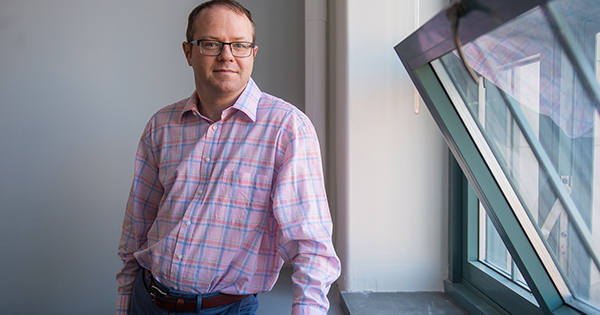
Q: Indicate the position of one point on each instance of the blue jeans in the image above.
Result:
(141, 302)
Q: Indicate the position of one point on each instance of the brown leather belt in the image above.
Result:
(177, 304)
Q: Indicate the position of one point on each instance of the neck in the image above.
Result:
(212, 107)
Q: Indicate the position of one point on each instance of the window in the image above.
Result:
(493, 252)
(525, 136)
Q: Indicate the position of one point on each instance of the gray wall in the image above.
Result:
(78, 81)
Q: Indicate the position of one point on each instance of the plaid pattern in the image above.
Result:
(219, 206)
(528, 39)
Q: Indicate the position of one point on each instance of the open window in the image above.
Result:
(513, 87)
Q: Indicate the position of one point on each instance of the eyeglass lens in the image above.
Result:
(213, 48)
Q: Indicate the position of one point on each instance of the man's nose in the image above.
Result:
(226, 52)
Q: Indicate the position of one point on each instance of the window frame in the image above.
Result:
(466, 271)
(470, 282)
(487, 190)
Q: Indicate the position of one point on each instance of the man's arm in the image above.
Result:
(301, 208)
(142, 206)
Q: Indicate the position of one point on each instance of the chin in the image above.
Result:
(229, 85)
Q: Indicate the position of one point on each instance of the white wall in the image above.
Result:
(78, 81)
(392, 175)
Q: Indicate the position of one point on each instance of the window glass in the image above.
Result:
(540, 121)
(493, 252)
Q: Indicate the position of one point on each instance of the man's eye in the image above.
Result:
(211, 45)
(241, 45)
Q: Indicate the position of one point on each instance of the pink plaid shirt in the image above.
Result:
(219, 206)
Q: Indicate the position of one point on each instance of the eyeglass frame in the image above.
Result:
(197, 43)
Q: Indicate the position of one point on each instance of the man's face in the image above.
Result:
(224, 75)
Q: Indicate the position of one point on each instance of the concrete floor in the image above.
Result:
(406, 303)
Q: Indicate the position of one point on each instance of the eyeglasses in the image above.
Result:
(214, 47)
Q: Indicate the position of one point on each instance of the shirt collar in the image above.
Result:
(248, 100)
(247, 103)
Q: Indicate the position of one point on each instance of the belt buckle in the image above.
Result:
(153, 290)
(180, 302)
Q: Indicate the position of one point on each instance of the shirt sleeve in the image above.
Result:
(142, 206)
(305, 227)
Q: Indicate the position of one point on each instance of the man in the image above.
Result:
(228, 185)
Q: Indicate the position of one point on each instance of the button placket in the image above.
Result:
(212, 128)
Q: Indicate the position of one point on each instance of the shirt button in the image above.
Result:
(214, 127)
(175, 288)
(188, 223)
(179, 256)
(207, 159)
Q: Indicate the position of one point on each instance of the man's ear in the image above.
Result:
(187, 51)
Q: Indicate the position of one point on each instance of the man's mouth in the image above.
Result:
(225, 70)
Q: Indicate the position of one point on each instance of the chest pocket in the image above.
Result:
(242, 198)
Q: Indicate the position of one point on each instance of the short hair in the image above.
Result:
(230, 4)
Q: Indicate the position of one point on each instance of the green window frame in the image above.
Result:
(478, 171)
(471, 282)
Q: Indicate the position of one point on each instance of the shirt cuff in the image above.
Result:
(123, 304)
(305, 309)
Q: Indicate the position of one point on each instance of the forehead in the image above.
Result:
(220, 22)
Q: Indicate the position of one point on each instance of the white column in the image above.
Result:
(316, 68)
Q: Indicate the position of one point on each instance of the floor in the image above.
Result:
(406, 303)
(279, 301)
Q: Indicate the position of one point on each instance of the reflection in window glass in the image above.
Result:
(541, 124)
